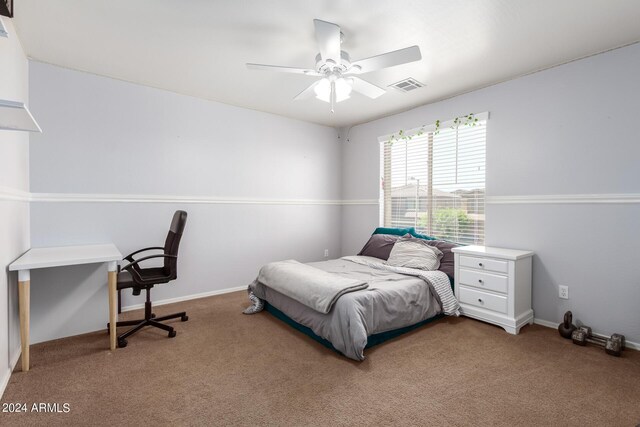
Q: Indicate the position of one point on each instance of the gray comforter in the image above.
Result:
(390, 302)
(317, 289)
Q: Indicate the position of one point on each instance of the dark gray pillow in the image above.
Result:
(379, 246)
(447, 265)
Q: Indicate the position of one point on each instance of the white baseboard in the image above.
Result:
(13, 362)
(5, 380)
(7, 375)
(554, 325)
(187, 298)
(545, 323)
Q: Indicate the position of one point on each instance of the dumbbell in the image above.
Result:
(580, 335)
(613, 345)
(621, 338)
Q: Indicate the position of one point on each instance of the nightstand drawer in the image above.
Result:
(481, 280)
(483, 299)
(484, 264)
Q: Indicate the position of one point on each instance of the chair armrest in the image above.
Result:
(130, 267)
(130, 256)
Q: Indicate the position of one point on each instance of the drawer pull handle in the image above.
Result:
(480, 280)
(479, 299)
(480, 264)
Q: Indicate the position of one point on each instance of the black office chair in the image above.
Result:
(139, 278)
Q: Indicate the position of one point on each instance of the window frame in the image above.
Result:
(385, 197)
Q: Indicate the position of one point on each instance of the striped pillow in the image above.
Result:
(411, 252)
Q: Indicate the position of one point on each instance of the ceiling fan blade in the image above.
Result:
(283, 69)
(366, 88)
(389, 59)
(308, 92)
(328, 38)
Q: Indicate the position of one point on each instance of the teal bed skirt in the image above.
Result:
(372, 340)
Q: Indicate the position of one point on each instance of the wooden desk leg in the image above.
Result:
(24, 284)
(113, 305)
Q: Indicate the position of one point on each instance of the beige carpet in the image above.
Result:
(225, 368)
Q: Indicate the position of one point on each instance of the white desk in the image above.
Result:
(58, 257)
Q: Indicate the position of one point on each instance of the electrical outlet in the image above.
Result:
(326, 253)
(563, 292)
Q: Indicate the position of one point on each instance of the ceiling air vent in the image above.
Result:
(407, 85)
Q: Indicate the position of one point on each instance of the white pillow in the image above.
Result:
(411, 252)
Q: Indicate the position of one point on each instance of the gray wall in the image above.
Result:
(564, 131)
(280, 179)
(14, 207)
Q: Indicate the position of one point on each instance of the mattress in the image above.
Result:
(392, 301)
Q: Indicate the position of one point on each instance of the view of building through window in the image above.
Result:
(435, 182)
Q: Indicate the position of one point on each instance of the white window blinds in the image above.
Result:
(435, 182)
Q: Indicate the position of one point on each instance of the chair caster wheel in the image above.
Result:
(184, 318)
(172, 334)
(153, 315)
(122, 343)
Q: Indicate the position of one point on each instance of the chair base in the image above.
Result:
(150, 319)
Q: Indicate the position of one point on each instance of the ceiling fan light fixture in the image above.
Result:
(343, 88)
(332, 63)
(323, 89)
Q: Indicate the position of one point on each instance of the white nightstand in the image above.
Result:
(494, 285)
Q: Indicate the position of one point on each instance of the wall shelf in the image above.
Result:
(6, 8)
(16, 116)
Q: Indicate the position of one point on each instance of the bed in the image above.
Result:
(395, 301)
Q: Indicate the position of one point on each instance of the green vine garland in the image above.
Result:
(467, 120)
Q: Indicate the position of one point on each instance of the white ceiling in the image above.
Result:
(200, 47)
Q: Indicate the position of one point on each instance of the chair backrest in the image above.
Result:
(172, 243)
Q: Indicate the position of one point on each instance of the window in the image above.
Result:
(435, 182)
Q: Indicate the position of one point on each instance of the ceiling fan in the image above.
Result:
(336, 69)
